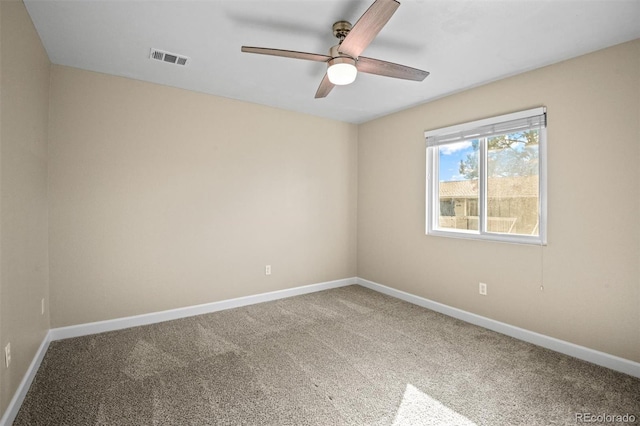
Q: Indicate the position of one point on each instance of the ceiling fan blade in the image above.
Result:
(389, 69)
(286, 53)
(368, 27)
(324, 88)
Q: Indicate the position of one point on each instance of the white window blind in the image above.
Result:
(509, 123)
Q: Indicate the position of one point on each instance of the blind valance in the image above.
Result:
(509, 123)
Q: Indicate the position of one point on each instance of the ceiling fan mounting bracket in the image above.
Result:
(341, 29)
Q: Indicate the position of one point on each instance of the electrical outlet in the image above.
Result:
(482, 288)
(7, 354)
(267, 270)
(42, 306)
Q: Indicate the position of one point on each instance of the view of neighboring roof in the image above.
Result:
(504, 187)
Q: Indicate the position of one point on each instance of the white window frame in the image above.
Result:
(469, 131)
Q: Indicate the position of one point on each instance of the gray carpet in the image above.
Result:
(348, 356)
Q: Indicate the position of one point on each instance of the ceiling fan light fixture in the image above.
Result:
(342, 71)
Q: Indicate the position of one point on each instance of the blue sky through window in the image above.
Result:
(450, 157)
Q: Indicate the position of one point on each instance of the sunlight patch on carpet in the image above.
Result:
(418, 408)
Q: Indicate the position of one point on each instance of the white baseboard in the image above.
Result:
(16, 402)
(600, 358)
(596, 357)
(189, 311)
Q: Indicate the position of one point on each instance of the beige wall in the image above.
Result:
(162, 198)
(590, 268)
(24, 93)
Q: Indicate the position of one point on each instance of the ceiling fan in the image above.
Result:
(344, 60)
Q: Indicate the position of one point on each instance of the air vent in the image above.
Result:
(172, 58)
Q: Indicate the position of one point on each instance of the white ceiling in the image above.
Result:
(463, 43)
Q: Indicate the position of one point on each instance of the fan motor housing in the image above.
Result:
(342, 60)
(333, 52)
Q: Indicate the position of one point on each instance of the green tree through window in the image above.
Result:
(515, 154)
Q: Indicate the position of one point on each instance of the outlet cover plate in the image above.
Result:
(482, 288)
(7, 355)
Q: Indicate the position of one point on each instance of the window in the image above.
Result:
(487, 179)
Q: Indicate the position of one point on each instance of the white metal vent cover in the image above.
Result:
(172, 58)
